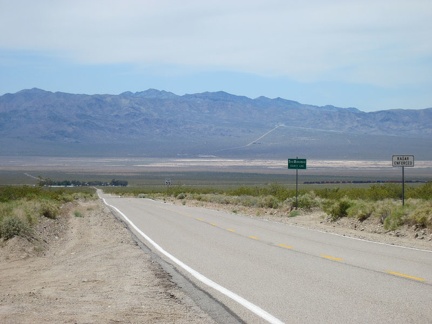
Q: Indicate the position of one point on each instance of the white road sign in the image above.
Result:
(403, 160)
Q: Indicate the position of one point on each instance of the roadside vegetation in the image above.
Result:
(381, 202)
(21, 207)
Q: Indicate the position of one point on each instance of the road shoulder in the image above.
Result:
(88, 269)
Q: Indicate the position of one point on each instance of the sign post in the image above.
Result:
(403, 161)
(297, 164)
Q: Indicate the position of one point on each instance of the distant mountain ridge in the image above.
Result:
(160, 123)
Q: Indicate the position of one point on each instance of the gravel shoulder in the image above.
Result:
(89, 269)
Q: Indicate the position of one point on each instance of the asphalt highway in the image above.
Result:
(271, 272)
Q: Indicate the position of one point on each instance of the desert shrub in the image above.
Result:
(10, 193)
(395, 219)
(420, 216)
(31, 211)
(376, 192)
(294, 213)
(386, 191)
(329, 193)
(361, 210)
(31, 218)
(337, 209)
(420, 192)
(216, 198)
(181, 195)
(65, 197)
(195, 196)
(269, 202)
(49, 209)
(305, 201)
(289, 203)
(278, 191)
(248, 201)
(77, 213)
(174, 191)
(245, 191)
(308, 200)
(22, 206)
(222, 199)
(384, 208)
(12, 226)
(26, 210)
(6, 209)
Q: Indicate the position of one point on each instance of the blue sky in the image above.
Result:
(368, 54)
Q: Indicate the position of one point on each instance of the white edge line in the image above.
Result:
(253, 308)
(347, 236)
(363, 240)
(328, 232)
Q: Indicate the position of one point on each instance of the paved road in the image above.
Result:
(267, 271)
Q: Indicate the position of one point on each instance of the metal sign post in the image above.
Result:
(403, 161)
(296, 164)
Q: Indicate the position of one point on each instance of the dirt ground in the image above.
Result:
(85, 267)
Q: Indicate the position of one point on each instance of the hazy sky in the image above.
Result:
(369, 54)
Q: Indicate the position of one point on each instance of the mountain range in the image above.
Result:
(157, 123)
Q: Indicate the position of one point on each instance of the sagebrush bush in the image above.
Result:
(269, 202)
(305, 201)
(421, 216)
(421, 192)
(248, 201)
(294, 213)
(49, 209)
(64, 197)
(22, 206)
(384, 191)
(360, 210)
(276, 190)
(395, 219)
(384, 208)
(338, 209)
(6, 209)
(245, 191)
(31, 211)
(12, 226)
(308, 200)
(181, 195)
(77, 213)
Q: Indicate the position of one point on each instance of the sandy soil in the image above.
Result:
(89, 269)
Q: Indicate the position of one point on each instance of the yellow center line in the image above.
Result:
(230, 230)
(329, 257)
(200, 219)
(285, 246)
(403, 275)
(253, 237)
(213, 224)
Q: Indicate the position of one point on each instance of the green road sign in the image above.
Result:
(296, 163)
